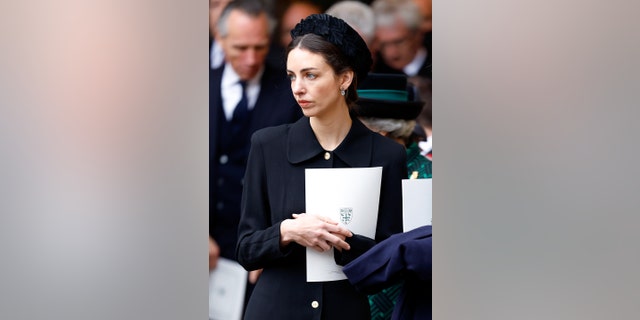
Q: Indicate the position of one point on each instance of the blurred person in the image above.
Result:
(387, 105)
(424, 6)
(245, 94)
(288, 13)
(424, 127)
(404, 257)
(325, 61)
(424, 122)
(216, 55)
(360, 17)
(399, 39)
(295, 11)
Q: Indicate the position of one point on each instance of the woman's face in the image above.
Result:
(314, 84)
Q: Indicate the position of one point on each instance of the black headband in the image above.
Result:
(341, 35)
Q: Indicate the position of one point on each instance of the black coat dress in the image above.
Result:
(274, 189)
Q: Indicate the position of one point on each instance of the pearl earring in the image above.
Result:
(343, 92)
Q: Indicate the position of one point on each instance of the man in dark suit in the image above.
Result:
(245, 94)
(399, 39)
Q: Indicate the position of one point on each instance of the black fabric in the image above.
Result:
(359, 244)
(275, 105)
(388, 81)
(381, 67)
(241, 112)
(339, 33)
(388, 109)
(275, 188)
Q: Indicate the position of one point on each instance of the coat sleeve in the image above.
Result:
(258, 240)
(390, 212)
(390, 208)
(405, 255)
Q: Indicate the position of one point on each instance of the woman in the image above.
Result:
(325, 61)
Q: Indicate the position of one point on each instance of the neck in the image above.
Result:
(331, 130)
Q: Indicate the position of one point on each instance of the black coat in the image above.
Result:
(275, 105)
(274, 188)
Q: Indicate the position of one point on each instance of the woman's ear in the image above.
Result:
(345, 79)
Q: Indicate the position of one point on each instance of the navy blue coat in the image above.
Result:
(275, 188)
(405, 256)
(275, 105)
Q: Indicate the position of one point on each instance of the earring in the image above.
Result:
(343, 92)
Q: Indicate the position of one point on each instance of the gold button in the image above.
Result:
(315, 304)
(327, 155)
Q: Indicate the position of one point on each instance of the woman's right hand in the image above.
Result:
(314, 231)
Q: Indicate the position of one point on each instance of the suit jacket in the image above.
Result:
(275, 105)
(275, 188)
(382, 67)
(405, 256)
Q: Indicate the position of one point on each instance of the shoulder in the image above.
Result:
(215, 81)
(379, 150)
(216, 74)
(269, 135)
(387, 147)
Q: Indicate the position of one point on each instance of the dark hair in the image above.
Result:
(334, 57)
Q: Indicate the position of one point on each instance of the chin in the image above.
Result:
(308, 113)
(397, 66)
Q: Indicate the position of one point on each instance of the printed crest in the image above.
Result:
(346, 214)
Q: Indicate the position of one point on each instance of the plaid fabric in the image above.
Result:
(382, 303)
(417, 162)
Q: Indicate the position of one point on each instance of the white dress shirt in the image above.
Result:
(217, 55)
(413, 67)
(231, 90)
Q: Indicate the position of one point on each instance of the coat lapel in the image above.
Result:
(302, 144)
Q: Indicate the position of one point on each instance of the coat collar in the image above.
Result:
(355, 150)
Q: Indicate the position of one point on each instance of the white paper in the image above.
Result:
(416, 203)
(227, 285)
(347, 195)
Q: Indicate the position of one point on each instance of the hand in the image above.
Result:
(314, 231)
(214, 254)
(253, 276)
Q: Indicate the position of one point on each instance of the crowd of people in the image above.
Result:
(301, 84)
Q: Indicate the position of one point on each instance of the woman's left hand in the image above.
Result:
(314, 231)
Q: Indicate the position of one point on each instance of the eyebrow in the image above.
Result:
(304, 69)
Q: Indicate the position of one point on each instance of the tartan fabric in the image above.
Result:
(418, 162)
(383, 302)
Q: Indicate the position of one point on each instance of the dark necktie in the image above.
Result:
(241, 111)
